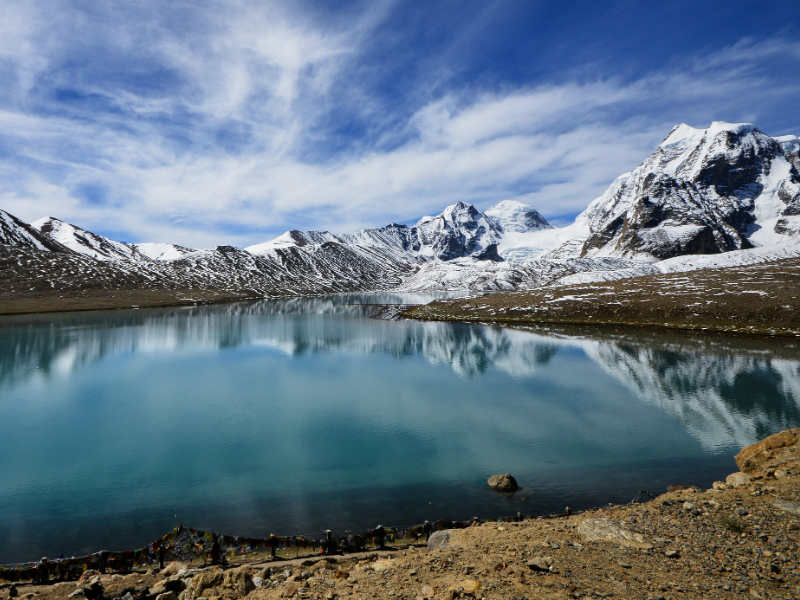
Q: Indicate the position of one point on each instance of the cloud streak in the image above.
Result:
(232, 123)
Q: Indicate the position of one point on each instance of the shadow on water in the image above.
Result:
(297, 415)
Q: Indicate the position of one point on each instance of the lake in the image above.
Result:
(293, 416)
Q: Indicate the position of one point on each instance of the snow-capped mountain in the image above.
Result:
(702, 191)
(96, 246)
(15, 232)
(517, 217)
(294, 238)
(161, 251)
(790, 144)
(727, 191)
(460, 230)
(84, 242)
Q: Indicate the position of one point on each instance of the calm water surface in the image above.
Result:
(294, 416)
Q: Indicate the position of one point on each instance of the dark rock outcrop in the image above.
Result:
(504, 482)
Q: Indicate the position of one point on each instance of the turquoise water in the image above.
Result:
(295, 416)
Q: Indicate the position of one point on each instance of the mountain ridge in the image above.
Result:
(702, 191)
(716, 191)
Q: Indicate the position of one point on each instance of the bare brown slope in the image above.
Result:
(758, 299)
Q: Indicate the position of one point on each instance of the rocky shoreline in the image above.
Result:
(739, 539)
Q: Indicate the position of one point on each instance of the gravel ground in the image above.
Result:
(756, 299)
(93, 299)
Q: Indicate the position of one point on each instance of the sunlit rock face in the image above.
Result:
(702, 191)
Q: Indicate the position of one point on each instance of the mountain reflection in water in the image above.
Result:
(293, 415)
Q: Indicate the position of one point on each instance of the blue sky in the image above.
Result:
(230, 121)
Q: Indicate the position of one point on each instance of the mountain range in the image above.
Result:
(726, 194)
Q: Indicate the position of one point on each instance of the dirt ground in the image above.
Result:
(99, 299)
(755, 299)
(739, 539)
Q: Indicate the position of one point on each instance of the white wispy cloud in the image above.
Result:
(231, 135)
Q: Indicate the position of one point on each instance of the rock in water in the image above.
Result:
(504, 482)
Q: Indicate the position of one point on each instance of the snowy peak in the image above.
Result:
(517, 217)
(461, 230)
(702, 191)
(684, 132)
(293, 237)
(162, 252)
(14, 232)
(790, 144)
(84, 242)
(687, 151)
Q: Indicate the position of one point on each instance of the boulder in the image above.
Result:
(771, 452)
(239, 580)
(607, 530)
(94, 591)
(173, 568)
(504, 482)
(787, 506)
(173, 584)
(467, 587)
(208, 579)
(737, 479)
(541, 564)
(439, 540)
(87, 576)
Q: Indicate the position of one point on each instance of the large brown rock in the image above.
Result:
(504, 482)
(737, 479)
(239, 580)
(770, 452)
(608, 530)
(87, 576)
(208, 579)
(439, 540)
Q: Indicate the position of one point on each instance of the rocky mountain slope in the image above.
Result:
(728, 190)
(702, 191)
(18, 234)
(461, 230)
(84, 242)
